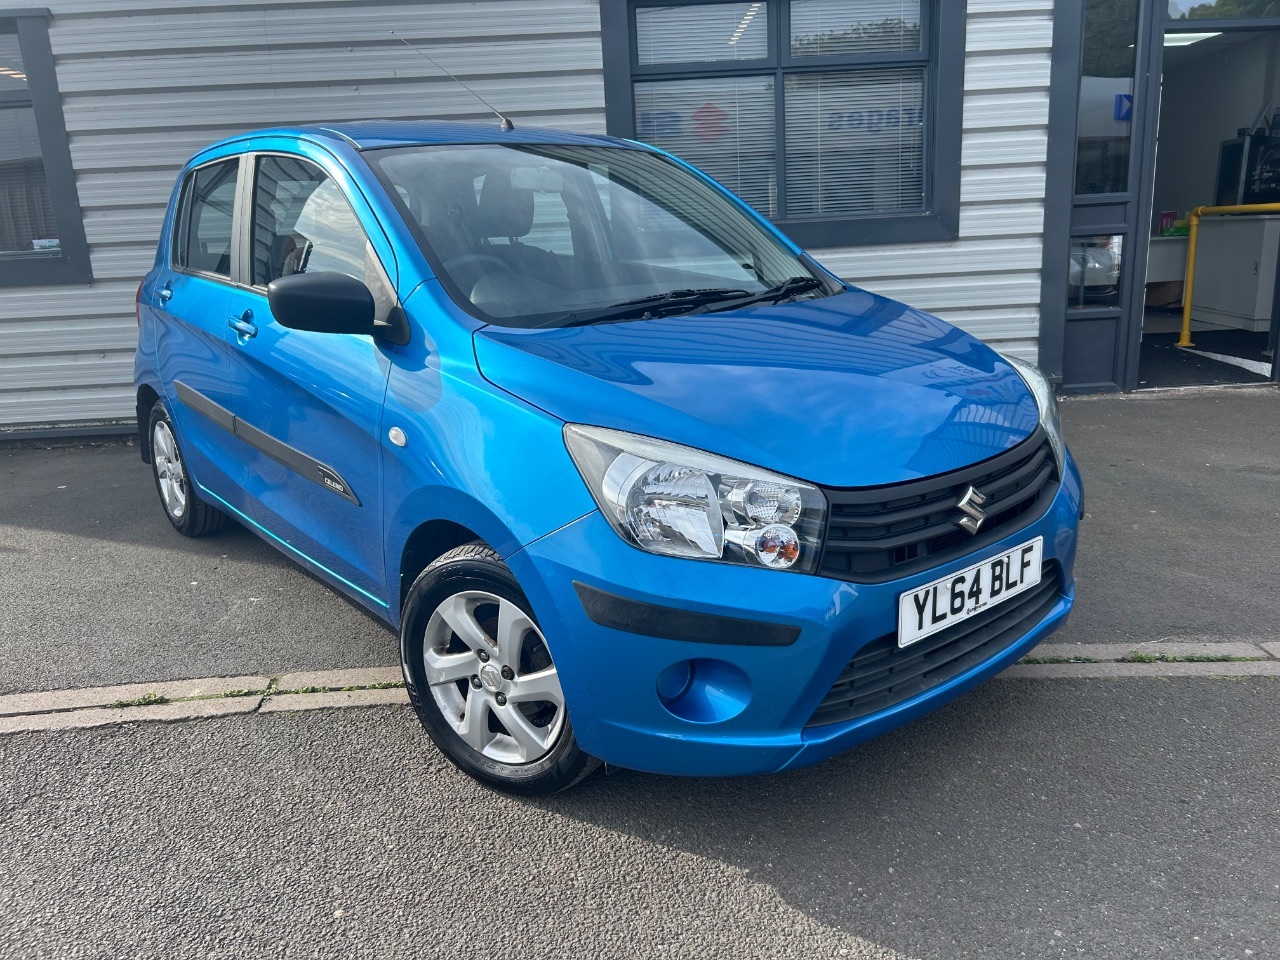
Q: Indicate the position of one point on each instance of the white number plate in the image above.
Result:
(958, 597)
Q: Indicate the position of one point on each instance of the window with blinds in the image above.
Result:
(855, 142)
(832, 28)
(41, 229)
(723, 125)
(810, 110)
(692, 34)
(26, 212)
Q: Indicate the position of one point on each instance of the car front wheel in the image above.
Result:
(481, 676)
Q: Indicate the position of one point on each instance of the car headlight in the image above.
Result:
(1042, 389)
(680, 502)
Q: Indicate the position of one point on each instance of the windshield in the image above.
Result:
(534, 235)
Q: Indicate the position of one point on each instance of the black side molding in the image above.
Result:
(281, 452)
(668, 623)
(202, 405)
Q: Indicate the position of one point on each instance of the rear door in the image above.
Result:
(309, 405)
(191, 299)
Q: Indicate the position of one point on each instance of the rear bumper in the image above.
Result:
(747, 708)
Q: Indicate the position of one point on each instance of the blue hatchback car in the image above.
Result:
(637, 480)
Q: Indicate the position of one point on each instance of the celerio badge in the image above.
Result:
(971, 506)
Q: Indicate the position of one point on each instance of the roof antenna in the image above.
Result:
(505, 123)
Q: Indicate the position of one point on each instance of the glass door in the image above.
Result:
(1106, 267)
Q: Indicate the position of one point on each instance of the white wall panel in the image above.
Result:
(313, 22)
(145, 84)
(101, 334)
(1004, 33)
(98, 368)
(1015, 71)
(67, 405)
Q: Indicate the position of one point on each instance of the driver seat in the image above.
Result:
(507, 211)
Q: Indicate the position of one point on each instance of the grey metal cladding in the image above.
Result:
(144, 86)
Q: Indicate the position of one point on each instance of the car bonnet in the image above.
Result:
(844, 391)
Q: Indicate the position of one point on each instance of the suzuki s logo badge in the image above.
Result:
(971, 506)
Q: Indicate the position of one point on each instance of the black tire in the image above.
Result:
(192, 517)
(469, 569)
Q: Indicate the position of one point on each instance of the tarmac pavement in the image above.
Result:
(98, 589)
(1181, 542)
(1107, 810)
(1041, 819)
(1181, 538)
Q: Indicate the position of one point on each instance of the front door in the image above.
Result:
(308, 405)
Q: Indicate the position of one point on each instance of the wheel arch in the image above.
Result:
(147, 397)
(425, 543)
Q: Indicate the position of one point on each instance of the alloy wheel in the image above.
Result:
(491, 675)
(169, 471)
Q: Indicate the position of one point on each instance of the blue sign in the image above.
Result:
(1124, 107)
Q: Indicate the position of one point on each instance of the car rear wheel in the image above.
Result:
(481, 676)
(188, 513)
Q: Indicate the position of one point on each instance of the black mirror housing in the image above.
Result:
(322, 302)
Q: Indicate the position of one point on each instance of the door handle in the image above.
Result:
(243, 325)
(165, 293)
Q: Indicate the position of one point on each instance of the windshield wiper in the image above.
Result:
(644, 306)
(786, 289)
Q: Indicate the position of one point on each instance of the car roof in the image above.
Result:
(376, 134)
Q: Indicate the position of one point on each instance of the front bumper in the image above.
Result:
(751, 713)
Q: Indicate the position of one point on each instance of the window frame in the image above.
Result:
(23, 268)
(941, 54)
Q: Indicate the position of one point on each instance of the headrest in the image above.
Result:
(504, 210)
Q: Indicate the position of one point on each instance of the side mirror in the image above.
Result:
(322, 302)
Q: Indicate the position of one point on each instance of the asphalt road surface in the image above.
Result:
(96, 588)
(1033, 818)
(1182, 535)
(1121, 818)
(1182, 541)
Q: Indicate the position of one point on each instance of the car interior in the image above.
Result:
(522, 238)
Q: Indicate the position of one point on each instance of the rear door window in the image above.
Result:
(202, 242)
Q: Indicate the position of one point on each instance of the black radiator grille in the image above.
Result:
(876, 534)
(882, 674)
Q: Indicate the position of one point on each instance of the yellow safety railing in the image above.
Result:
(1193, 224)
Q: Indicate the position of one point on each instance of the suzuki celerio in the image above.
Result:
(636, 479)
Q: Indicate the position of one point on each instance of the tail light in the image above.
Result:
(137, 303)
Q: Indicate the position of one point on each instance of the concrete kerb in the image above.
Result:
(107, 716)
(178, 700)
(57, 701)
(174, 700)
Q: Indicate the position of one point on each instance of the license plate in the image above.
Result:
(959, 596)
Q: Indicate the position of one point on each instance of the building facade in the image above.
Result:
(923, 149)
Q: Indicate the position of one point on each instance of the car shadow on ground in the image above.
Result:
(90, 563)
(1029, 818)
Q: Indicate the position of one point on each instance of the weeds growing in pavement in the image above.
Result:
(146, 700)
(1185, 658)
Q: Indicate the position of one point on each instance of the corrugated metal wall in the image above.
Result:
(988, 281)
(145, 84)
